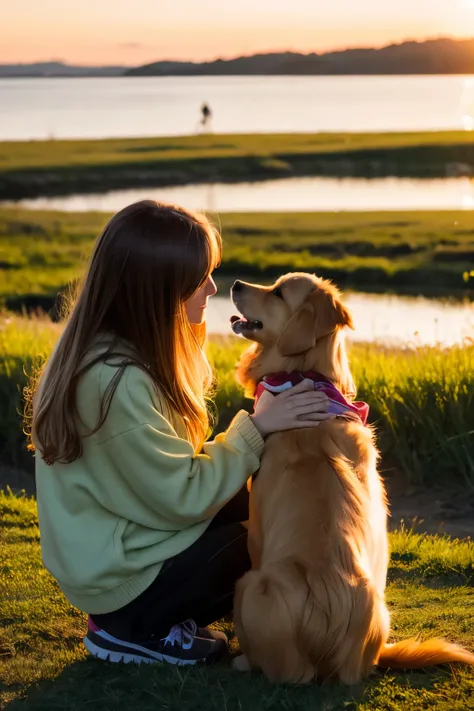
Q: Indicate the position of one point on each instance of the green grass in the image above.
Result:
(24, 345)
(424, 251)
(44, 667)
(422, 402)
(428, 252)
(61, 167)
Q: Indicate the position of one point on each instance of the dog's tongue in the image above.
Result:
(237, 324)
(240, 324)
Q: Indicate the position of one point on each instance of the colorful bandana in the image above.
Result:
(338, 405)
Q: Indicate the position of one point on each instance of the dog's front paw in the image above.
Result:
(241, 664)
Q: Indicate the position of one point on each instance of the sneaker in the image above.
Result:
(205, 632)
(185, 644)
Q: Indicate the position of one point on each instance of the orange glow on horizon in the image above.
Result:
(138, 33)
(90, 54)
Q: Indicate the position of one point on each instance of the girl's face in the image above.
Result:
(197, 303)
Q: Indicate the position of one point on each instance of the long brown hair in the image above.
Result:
(148, 261)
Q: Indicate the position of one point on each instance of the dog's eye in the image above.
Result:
(277, 292)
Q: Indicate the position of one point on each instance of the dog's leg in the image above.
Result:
(254, 539)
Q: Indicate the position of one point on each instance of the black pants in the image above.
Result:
(198, 583)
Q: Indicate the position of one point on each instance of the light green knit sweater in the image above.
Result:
(137, 496)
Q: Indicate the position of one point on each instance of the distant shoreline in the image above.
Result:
(236, 76)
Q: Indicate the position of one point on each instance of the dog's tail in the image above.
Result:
(412, 654)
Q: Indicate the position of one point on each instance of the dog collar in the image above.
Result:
(338, 405)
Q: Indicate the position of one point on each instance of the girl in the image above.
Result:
(141, 522)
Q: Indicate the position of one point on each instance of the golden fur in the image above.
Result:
(313, 606)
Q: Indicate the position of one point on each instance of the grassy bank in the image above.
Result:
(422, 402)
(43, 665)
(31, 168)
(426, 252)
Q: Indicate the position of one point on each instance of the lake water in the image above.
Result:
(165, 106)
(385, 319)
(96, 108)
(285, 195)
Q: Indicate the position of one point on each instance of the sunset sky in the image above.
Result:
(133, 32)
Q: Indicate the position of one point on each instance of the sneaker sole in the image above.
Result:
(133, 653)
(127, 658)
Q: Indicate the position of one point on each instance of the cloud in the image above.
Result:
(131, 45)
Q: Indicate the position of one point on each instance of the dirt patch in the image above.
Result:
(431, 510)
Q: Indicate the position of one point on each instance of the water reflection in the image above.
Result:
(286, 195)
(467, 105)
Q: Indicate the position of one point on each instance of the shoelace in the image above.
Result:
(182, 634)
(190, 626)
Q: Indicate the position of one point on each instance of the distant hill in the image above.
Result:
(436, 56)
(255, 64)
(57, 69)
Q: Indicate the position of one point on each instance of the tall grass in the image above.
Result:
(25, 342)
(421, 401)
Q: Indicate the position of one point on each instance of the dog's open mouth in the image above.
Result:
(241, 325)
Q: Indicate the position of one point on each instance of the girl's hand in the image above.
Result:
(300, 406)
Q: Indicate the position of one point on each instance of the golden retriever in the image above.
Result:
(313, 606)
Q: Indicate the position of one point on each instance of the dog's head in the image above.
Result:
(293, 314)
(295, 323)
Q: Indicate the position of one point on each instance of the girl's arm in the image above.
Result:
(161, 469)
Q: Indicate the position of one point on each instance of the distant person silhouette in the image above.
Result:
(206, 116)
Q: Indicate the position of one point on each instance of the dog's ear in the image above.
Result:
(329, 314)
(319, 316)
(344, 316)
(299, 335)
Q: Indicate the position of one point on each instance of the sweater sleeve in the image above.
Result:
(161, 469)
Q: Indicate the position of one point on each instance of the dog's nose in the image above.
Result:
(237, 286)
